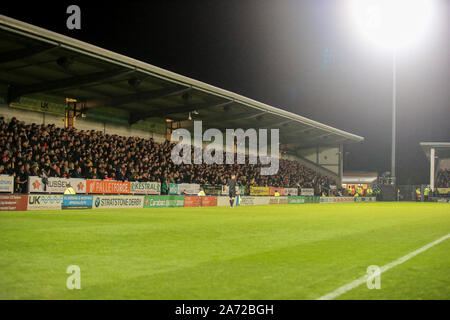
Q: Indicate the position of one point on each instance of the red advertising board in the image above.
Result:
(281, 191)
(107, 186)
(13, 202)
(192, 201)
(209, 201)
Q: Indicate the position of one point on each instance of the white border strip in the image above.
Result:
(351, 285)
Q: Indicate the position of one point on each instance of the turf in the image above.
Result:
(261, 252)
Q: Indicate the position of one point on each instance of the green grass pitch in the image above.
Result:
(261, 252)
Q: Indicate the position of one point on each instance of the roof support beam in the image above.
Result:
(24, 53)
(66, 83)
(135, 117)
(139, 96)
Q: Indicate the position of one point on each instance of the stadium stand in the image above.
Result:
(443, 178)
(50, 151)
(86, 112)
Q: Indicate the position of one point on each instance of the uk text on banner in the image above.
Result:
(145, 187)
(119, 201)
(6, 183)
(77, 202)
(307, 192)
(45, 201)
(163, 201)
(9, 202)
(55, 185)
(259, 191)
(108, 186)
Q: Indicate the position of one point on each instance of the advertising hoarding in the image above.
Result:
(145, 187)
(307, 192)
(13, 202)
(163, 201)
(6, 183)
(108, 186)
(77, 202)
(55, 185)
(45, 201)
(119, 201)
(296, 200)
(259, 191)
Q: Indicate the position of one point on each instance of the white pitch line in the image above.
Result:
(351, 285)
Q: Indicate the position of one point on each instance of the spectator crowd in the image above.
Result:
(51, 151)
(443, 178)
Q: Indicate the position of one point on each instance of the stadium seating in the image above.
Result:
(47, 150)
(443, 178)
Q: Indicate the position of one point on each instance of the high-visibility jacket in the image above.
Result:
(276, 194)
(201, 193)
(426, 192)
(69, 190)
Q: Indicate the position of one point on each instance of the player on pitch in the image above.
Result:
(232, 188)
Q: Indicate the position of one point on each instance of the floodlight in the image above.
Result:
(392, 23)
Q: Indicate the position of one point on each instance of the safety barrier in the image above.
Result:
(54, 185)
(14, 202)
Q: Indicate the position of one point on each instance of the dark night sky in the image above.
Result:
(302, 56)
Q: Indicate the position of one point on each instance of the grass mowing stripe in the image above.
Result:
(356, 283)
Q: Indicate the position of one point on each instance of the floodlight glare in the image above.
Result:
(392, 23)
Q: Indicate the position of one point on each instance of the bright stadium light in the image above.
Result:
(392, 23)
